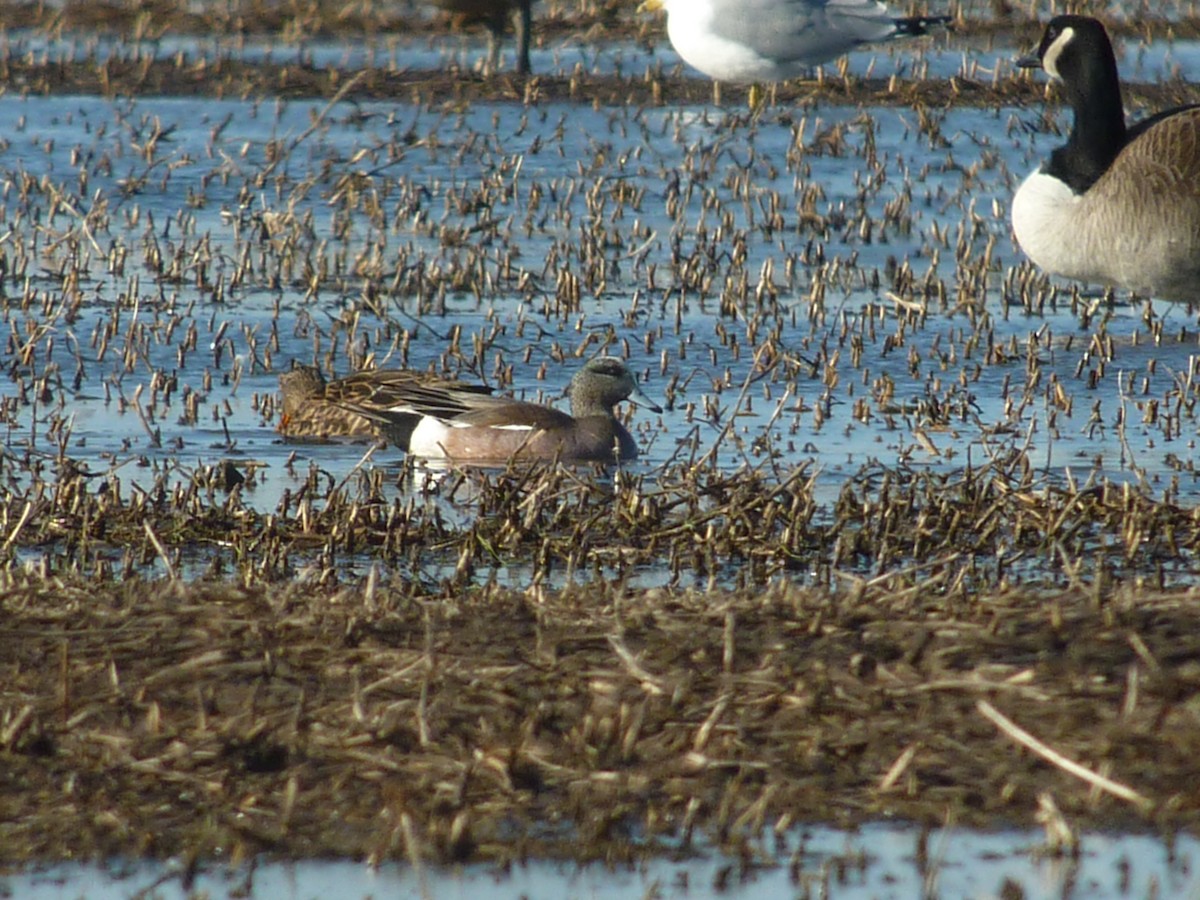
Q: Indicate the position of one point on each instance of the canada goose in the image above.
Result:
(756, 41)
(1113, 205)
(494, 14)
(456, 422)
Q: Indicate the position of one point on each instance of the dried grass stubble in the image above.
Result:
(205, 719)
(991, 525)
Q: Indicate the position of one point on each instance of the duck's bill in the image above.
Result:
(639, 399)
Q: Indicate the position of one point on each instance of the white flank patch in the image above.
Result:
(429, 438)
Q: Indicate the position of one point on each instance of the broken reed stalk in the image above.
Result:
(1027, 740)
(350, 84)
(162, 552)
(898, 768)
(26, 512)
(753, 374)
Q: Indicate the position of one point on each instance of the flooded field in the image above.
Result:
(873, 863)
(912, 514)
(826, 288)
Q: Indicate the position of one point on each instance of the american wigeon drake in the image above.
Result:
(1114, 205)
(494, 14)
(752, 41)
(317, 408)
(451, 422)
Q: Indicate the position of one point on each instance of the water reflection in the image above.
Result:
(872, 863)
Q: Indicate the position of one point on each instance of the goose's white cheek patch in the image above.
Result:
(1055, 51)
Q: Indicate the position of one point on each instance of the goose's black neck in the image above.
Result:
(1088, 69)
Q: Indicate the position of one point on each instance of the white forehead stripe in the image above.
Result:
(1054, 51)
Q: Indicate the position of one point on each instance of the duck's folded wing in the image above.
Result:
(385, 394)
(514, 414)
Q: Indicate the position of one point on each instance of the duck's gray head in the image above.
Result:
(601, 384)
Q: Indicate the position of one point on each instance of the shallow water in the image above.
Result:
(871, 243)
(931, 198)
(876, 862)
(940, 55)
(218, 240)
